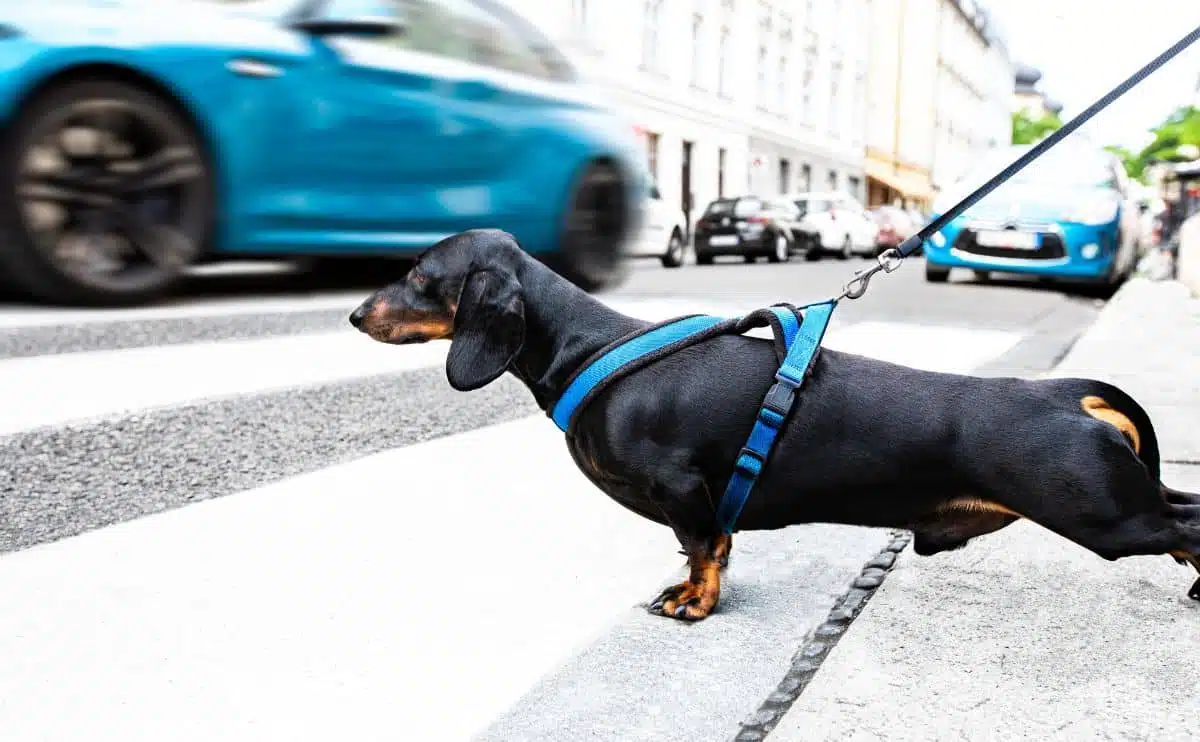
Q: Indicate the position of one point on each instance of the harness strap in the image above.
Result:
(796, 344)
(802, 340)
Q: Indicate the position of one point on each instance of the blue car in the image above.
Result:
(1067, 217)
(144, 136)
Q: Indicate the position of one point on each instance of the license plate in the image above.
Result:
(723, 240)
(1009, 238)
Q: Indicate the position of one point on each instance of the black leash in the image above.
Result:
(890, 260)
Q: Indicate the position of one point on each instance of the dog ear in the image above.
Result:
(489, 329)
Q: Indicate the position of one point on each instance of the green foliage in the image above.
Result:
(1178, 130)
(1029, 130)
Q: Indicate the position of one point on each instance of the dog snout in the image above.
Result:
(359, 314)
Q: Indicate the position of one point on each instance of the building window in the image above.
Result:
(697, 55)
(808, 79)
(724, 57)
(853, 182)
(835, 103)
(762, 77)
(805, 178)
(781, 85)
(651, 13)
(579, 16)
(652, 154)
(833, 180)
(721, 172)
(785, 175)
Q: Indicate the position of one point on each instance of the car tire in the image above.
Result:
(936, 274)
(673, 257)
(983, 276)
(125, 162)
(747, 259)
(847, 249)
(704, 259)
(595, 225)
(782, 251)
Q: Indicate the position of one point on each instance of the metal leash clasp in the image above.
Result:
(888, 261)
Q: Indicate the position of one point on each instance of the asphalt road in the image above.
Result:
(163, 434)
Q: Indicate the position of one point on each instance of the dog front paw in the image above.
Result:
(686, 601)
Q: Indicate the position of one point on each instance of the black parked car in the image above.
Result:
(749, 226)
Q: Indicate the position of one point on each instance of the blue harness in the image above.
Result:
(797, 336)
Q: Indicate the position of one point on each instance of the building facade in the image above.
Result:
(730, 96)
(902, 103)
(974, 84)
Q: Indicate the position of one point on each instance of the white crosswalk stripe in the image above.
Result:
(414, 593)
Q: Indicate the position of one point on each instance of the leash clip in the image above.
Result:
(888, 261)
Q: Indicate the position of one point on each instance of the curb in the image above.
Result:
(808, 658)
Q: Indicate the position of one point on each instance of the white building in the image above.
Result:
(731, 96)
(974, 90)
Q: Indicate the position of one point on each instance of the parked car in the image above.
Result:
(895, 226)
(142, 137)
(749, 226)
(663, 234)
(833, 223)
(1066, 216)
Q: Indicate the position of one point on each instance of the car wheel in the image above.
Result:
(105, 196)
(596, 223)
(983, 276)
(936, 274)
(673, 258)
(847, 249)
(783, 250)
(704, 259)
(749, 258)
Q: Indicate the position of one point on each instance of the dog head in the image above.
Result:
(463, 289)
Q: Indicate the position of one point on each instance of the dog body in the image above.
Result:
(868, 443)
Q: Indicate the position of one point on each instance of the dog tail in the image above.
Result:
(1109, 404)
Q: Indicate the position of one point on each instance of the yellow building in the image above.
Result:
(901, 102)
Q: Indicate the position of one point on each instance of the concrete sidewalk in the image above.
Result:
(1022, 635)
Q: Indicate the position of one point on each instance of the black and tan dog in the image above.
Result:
(949, 457)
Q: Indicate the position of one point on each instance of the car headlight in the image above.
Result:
(1094, 211)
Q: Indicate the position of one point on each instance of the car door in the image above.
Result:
(411, 134)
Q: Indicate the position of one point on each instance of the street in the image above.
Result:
(234, 517)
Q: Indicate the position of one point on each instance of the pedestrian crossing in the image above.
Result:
(309, 535)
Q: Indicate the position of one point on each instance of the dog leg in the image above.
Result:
(694, 599)
(723, 549)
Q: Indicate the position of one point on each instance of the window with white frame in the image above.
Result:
(724, 59)
(834, 120)
(784, 72)
(764, 34)
(579, 16)
(651, 15)
(697, 48)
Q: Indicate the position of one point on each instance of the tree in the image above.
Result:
(1027, 130)
(1174, 141)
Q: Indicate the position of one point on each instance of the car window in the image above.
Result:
(458, 29)
(809, 206)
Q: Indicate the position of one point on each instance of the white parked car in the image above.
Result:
(833, 223)
(661, 234)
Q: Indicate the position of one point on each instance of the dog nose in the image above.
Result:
(356, 317)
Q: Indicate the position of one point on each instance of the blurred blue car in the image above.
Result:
(1067, 216)
(143, 136)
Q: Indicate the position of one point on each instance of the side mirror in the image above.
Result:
(369, 26)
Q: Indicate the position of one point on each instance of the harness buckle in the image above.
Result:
(779, 400)
(743, 469)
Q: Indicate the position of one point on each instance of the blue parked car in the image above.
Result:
(1067, 216)
(143, 136)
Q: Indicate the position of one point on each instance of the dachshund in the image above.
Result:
(946, 456)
